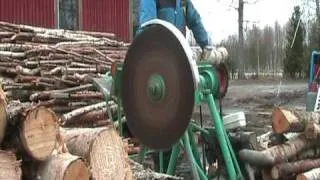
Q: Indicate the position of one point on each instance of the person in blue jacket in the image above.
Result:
(180, 13)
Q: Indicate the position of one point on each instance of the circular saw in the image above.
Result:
(158, 85)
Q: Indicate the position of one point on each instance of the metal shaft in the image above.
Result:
(216, 119)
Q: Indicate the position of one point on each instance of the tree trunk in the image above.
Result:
(283, 170)
(103, 150)
(10, 168)
(63, 167)
(285, 120)
(3, 114)
(318, 21)
(313, 174)
(241, 68)
(276, 154)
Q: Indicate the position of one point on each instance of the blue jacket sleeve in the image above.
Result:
(147, 11)
(194, 23)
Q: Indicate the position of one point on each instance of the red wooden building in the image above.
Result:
(92, 15)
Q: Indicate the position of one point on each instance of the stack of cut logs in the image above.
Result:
(53, 121)
(296, 152)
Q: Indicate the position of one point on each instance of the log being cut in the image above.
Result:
(9, 166)
(102, 149)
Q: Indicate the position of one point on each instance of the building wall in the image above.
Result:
(93, 15)
(29, 12)
(107, 16)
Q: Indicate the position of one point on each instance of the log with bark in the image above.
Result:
(63, 167)
(312, 130)
(313, 174)
(283, 170)
(10, 168)
(310, 153)
(292, 120)
(277, 154)
(140, 173)
(103, 150)
(3, 114)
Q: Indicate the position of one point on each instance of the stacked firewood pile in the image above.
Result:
(293, 151)
(53, 121)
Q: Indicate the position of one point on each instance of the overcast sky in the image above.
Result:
(221, 20)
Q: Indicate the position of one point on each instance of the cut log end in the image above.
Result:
(279, 122)
(103, 159)
(77, 171)
(39, 132)
(64, 167)
(9, 166)
(102, 148)
(301, 177)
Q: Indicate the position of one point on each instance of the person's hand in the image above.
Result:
(214, 56)
(206, 53)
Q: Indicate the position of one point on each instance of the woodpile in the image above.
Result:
(54, 122)
(298, 156)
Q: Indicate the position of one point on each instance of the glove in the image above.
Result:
(214, 56)
(206, 53)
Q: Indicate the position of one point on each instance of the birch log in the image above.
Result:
(278, 153)
(312, 130)
(280, 171)
(10, 168)
(3, 114)
(63, 167)
(313, 174)
(103, 150)
(291, 120)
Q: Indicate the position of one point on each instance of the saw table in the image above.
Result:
(157, 88)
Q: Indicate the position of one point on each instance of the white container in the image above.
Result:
(235, 120)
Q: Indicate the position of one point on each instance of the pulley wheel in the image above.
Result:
(157, 88)
(223, 77)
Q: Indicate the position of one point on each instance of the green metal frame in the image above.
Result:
(206, 93)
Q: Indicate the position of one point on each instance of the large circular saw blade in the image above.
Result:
(158, 55)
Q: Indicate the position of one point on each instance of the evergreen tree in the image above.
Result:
(294, 59)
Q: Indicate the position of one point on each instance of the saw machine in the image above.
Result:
(157, 88)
